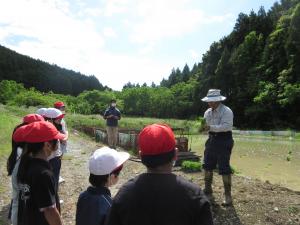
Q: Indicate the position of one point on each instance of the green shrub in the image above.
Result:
(190, 166)
(9, 89)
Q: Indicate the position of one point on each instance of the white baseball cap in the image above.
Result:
(53, 113)
(41, 111)
(105, 160)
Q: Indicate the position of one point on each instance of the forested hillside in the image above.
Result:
(257, 66)
(43, 76)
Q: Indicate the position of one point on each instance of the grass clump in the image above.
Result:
(191, 166)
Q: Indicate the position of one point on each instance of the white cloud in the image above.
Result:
(116, 70)
(90, 12)
(48, 23)
(194, 54)
(109, 32)
(168, 19)
(113, 7)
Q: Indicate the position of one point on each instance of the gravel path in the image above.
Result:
(254, 202)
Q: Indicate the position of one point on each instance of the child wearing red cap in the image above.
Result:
(13, 165)
(38, 199)
(158, 196)
(93, 204)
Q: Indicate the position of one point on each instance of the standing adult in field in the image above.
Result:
(158, 196)
(219, 122)
(112, 115)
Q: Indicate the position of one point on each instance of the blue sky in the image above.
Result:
(119, 40)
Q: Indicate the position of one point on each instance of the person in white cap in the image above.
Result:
(93, 204)
(41, 111)
(218, 147)
(55, 116)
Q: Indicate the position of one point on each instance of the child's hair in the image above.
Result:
(101, 180)
(58, 126)
(12, 159)
(30, 150)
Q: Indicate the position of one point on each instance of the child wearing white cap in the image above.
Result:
(93, 204)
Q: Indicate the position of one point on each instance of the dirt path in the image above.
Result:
(254, 202)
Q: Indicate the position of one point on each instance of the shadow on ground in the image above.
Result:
(4, 215)
(225, 215)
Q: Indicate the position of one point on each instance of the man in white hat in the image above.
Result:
(219, 122)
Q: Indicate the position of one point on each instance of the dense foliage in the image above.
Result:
(43, 76)
(257, 67)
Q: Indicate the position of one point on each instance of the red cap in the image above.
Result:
(156, 139)
(35, 132)
(59, 104)
(30, 118)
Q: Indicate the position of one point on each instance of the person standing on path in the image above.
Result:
(38, 198)
(13, 165)
(55, 116)
(63, 143)
(93, 204)
(112, 115)
(158, 196)
(218, 147)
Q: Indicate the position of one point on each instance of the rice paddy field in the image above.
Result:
(267, 159)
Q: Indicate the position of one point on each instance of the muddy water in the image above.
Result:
(277, 161)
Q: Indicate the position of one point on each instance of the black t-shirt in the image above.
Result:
(160, 199)
(37, 192)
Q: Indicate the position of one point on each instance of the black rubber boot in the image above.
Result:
(208, 178)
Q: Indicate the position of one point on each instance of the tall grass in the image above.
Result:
(7, 124)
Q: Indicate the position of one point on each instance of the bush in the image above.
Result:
(9, 89)
(32, 98)
(191, 166)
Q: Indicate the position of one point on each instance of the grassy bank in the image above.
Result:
(75, 120)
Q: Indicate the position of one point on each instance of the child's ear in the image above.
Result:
(176, 153)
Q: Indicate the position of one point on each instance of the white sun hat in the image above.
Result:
(53, 113)
(105, 160)
(213, 95)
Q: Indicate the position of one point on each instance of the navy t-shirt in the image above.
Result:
(93, 206)
(160, 199)
(112, 122)
(37, 193)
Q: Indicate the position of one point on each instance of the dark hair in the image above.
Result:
(153, 161)
(58, 126)
(12, 159)
(98, 180)
(101, 180)
(113, 100)
(30, 150)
